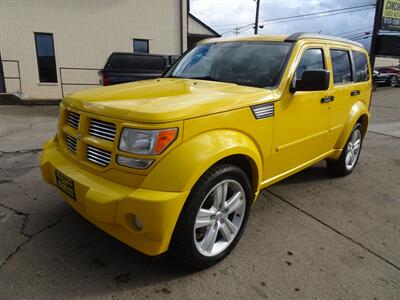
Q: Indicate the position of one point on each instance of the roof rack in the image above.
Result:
(303, 35)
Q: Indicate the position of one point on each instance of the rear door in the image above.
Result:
(341, 87)
(362, 87)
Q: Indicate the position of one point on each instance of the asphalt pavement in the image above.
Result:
(311, 236)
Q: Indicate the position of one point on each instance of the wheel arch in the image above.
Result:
(363, 120)
(247, 165)
(176, 173)
(358, 113)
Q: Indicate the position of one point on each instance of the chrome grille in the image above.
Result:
(98, 156)
(101, 129)
(73, 119)
(71, 143)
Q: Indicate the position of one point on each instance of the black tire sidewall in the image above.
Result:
(183, 244)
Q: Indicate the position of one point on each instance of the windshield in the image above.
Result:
(257, 64)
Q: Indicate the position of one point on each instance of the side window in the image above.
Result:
(361, 66)
(341, 66)
(312, 59)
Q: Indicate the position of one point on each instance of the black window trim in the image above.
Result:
(349, 54)
(37, 56)
(141, 40)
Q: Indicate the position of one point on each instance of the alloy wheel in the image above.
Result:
(353, 149)
(393, 81)
(219, 218)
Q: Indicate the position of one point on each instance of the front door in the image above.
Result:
(301, 120)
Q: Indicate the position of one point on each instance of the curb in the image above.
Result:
(11, 99)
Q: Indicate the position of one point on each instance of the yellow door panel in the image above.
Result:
(301, 120)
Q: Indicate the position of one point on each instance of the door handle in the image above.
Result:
(355, 93)
(327, 99)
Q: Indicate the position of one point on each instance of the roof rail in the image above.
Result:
(303, 35)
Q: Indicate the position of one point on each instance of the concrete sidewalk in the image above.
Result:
(311, 236)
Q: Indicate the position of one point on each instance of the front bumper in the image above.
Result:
(111, 206)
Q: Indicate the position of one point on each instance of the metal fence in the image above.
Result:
(62, 83)
(13, 77)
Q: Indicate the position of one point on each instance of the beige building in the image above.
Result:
(41, 36)
(386, 62)
(197, 30)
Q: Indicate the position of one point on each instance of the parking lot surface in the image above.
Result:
(311, 236)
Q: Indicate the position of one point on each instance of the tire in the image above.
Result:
(345, 165)
(393, 81)
(194, 247)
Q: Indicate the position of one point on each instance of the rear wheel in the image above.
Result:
(214, 217)
(350, 154)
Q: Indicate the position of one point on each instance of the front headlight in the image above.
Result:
(146, 142)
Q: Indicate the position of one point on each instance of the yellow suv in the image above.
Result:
(176, 163)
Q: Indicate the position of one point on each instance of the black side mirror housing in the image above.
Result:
(313, 80)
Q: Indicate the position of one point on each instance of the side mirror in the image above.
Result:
(313, 80)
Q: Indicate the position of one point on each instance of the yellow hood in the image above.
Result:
(166, 99)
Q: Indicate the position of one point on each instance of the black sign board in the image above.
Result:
(388, 45)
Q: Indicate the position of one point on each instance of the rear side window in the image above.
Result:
(361, 66)
(119, 61)
(312, 59)
(341, 66)
(148, 63)
(131, 62)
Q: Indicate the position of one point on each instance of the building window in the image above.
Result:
(140, 46)
(46, 59)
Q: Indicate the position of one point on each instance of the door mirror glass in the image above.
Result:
(312, 80)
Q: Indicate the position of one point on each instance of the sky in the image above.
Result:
(225, 15)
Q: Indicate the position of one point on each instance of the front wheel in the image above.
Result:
(350, 154)
(214, 217)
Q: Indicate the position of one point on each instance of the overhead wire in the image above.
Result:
(306, 16)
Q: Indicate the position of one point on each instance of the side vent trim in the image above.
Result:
(262, 111)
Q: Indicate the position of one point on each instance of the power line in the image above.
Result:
(321, 12)
(318, 15)
(358, 29)
(309, 15)
(248, 26)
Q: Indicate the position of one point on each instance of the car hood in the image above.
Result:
(166, 99)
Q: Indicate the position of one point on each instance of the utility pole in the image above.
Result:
(257, 13)
(377, 24)
(237, 31)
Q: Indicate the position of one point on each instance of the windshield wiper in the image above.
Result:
(203, 78)
(196, 77)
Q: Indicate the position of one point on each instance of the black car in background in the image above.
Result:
(391, 79)
(124, 67)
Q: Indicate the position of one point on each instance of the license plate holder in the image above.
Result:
(65, 184)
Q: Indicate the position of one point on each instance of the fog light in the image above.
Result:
(134, 162)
